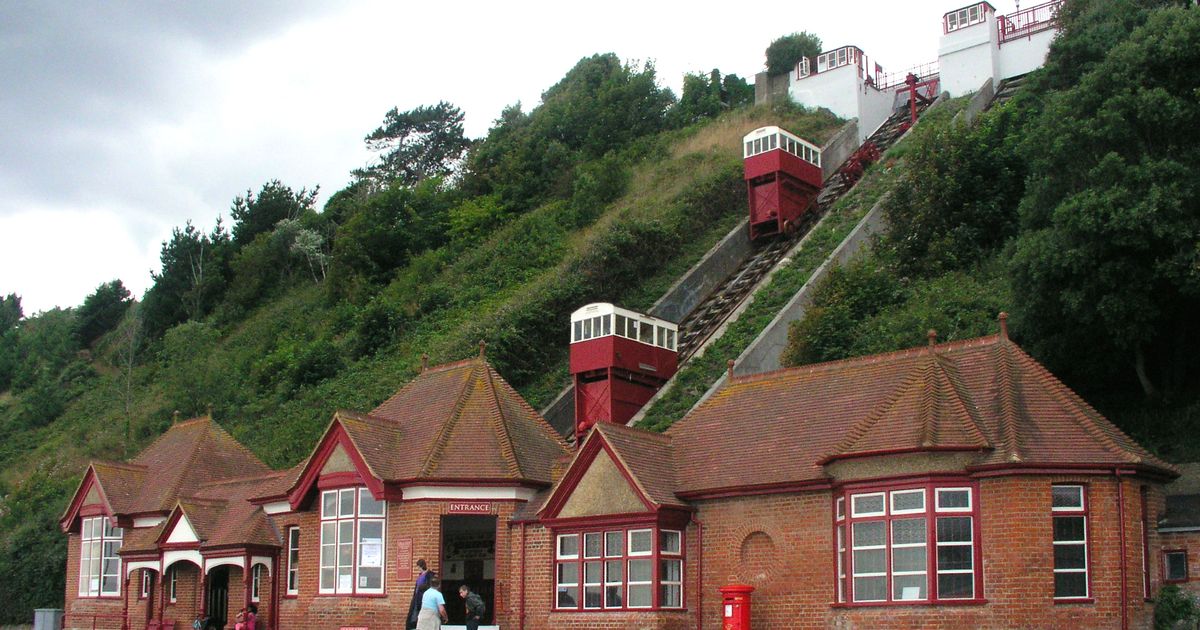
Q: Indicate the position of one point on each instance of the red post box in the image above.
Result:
(735, 603)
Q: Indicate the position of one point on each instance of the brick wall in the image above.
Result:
(419, 521)
(1190, 542)
(783, 545)
(81, 612)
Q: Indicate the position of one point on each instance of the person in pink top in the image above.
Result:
(252, 617)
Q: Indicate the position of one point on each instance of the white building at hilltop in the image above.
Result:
(978, 50)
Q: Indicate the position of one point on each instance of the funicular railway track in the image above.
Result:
(709, 315)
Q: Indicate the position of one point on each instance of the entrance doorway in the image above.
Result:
(468, 557)
(217, 602)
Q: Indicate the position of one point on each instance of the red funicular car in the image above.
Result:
(783, 176)
(619, 359)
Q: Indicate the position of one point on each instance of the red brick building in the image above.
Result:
(1180, 531)
(954, 485)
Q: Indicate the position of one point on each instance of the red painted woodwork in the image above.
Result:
(615, 377)
(781, 187)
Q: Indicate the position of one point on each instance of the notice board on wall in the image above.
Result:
(404, 559)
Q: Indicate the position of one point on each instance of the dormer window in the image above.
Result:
(99, 564)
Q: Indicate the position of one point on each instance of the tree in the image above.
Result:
(193, 378)
(254, 215)
(784, 53)
(195, 268)
(415, 145)
(128, 347)
(101, 311)
(1107, 262)
(10, 312)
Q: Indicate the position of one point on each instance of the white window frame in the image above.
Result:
(915, 491)
(1080, 512)
(941, 508)
(293, 576)
(629, 543)
(854, 498)
(147, 581)
(256, 583)
(97, 538)
(336, 522)
(174, 590)
(894, 546)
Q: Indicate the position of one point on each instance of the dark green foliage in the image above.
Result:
(475, 218)
(254, 215)
(1089, 30)
(415, 145)
(275, 260)
(10, 312)
(44, 345)
(193, 380)
(192, 281)
(785, 52)
(296, 363)
(701, 99)
(954, 204)
(383, 233)
(601, 105)
(1175, 606)
(1105, 269)
(101, 311)
(31, 544)
(736, 92)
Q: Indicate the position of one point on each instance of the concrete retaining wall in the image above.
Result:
(695, 286)
(978, 103)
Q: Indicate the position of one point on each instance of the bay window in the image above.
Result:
(1068, 503)
(906, 545)
(619, 569)
(99, 564)
(352, 542)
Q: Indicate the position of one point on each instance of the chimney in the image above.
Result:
(424, 362)
(729, 369)
(482, 348)
(932, 334)
(1003, 325)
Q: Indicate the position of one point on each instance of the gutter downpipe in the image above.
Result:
(700, 572)
(1124, 579)
(125, 596)
(521, 613)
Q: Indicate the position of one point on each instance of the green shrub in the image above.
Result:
(1175, 607)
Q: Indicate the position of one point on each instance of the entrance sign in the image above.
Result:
(404, 559)
(470, 507)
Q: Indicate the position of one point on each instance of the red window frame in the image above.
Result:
(845, 517)
(656, 556)
(1186, 570)
(1084, 512)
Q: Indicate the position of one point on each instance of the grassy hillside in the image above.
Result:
(275, 376)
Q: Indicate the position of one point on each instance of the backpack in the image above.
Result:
(475, 604)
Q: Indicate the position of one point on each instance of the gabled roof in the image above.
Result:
(114, 485)
(644, 458)
(983, 394)
(456, 422)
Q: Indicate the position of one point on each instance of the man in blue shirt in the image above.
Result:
(433, 607)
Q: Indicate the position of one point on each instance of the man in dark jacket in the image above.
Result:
(474, 605)
(422, 583)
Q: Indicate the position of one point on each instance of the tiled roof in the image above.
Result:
(120, 483)
(189, 454)
(238, 522)
(982, 394)
(647, 457)
(456, 421)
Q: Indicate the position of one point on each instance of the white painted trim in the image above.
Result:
(148, 521)
(233, 561)
(130, 567)
(277, 507)
(176, 555)
(466, 493)
(263, 560)
(183, 532)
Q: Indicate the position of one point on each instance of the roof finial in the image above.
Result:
(932, 334)
(1003, 325)
(482, 347)
(208, 410)
(175, 417)
(424, 361)
(729, 367)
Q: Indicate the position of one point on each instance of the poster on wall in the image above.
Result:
(372, 552)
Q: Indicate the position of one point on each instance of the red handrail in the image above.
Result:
(894, 79)
(1026, 22)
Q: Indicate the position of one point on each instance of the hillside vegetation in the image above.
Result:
(608, 190)
(1073, 207)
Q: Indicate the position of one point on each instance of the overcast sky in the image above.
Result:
(121, 120)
